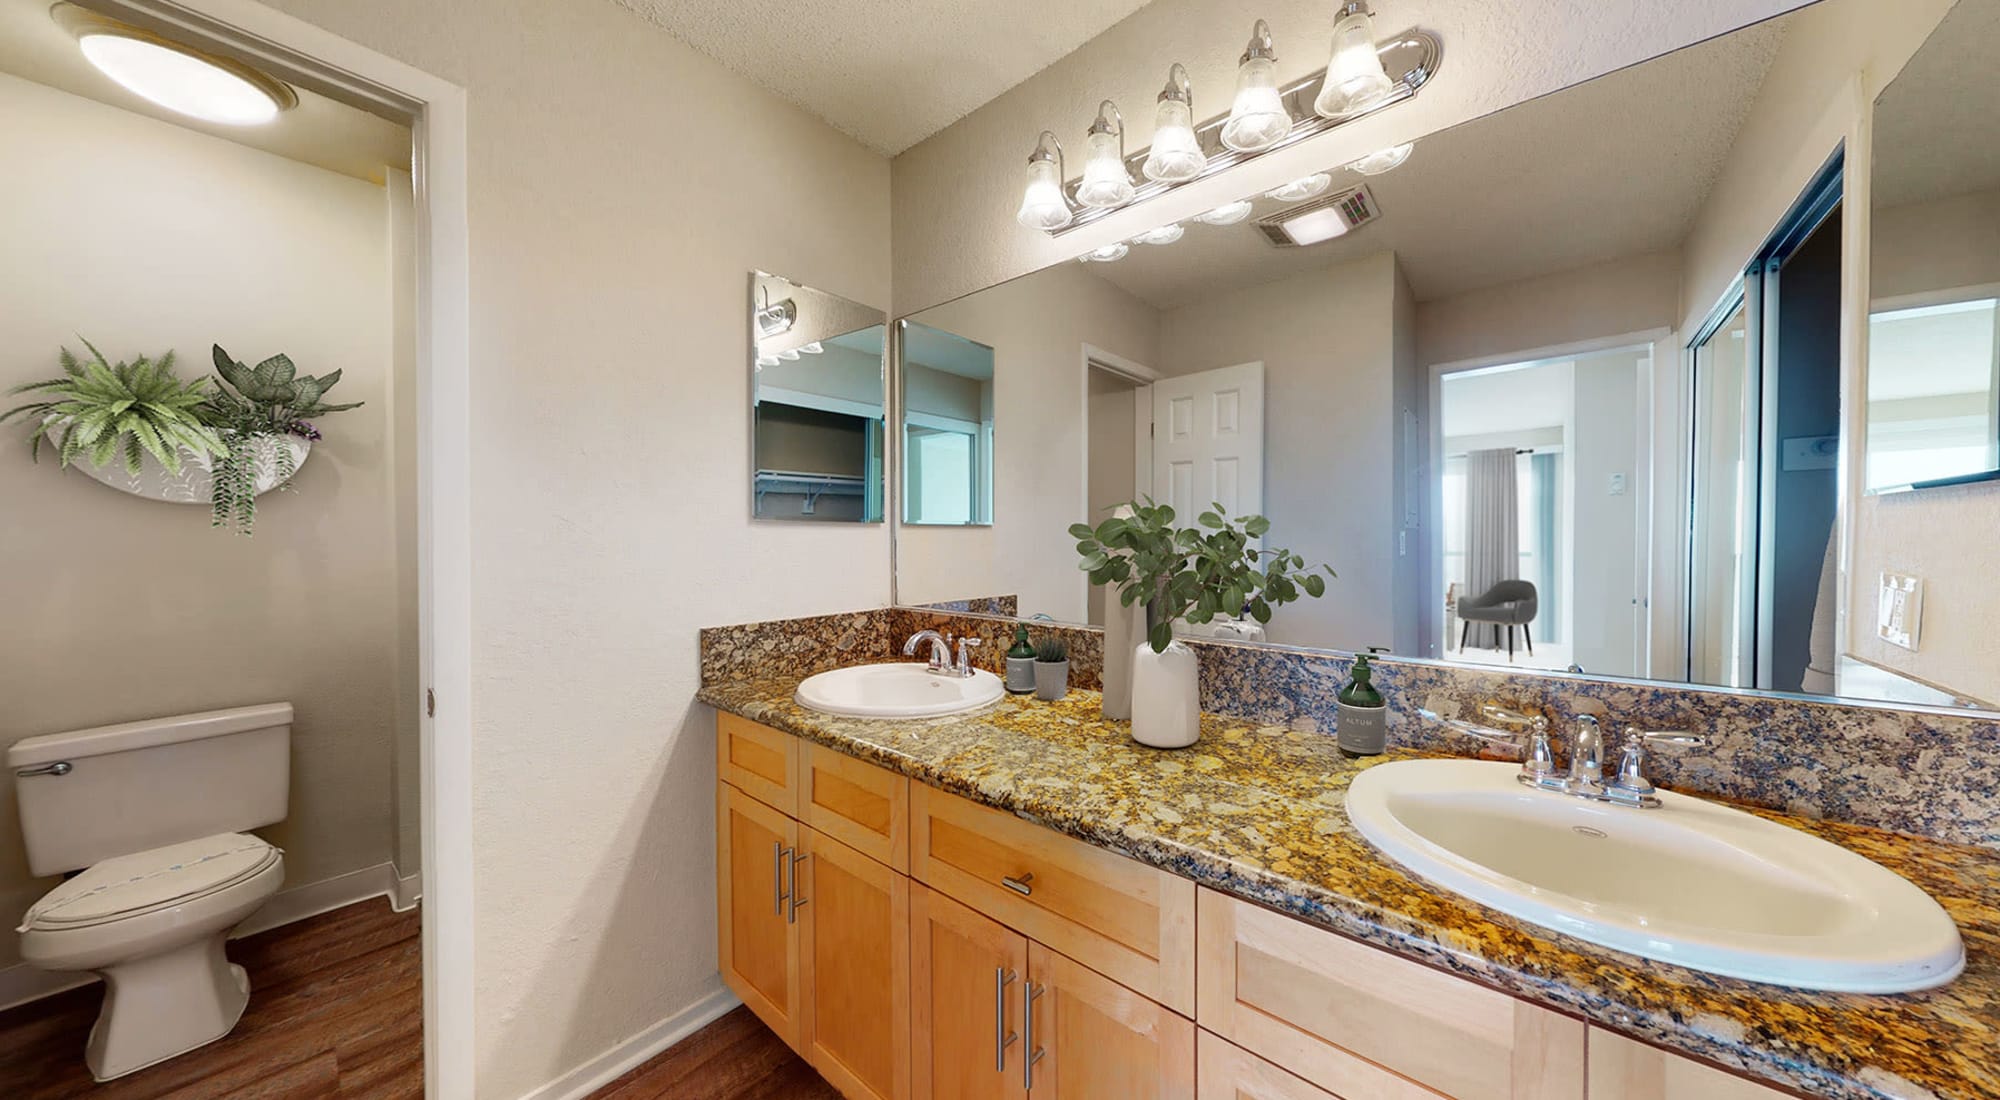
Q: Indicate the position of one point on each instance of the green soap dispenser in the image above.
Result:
(1021, 662)
(1362, 727)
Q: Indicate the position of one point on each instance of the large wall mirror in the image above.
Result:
(817, 395)
(947, 406)
(1558, 389)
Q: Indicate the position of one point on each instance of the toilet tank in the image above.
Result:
(141, 785)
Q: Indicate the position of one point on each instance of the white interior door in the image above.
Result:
(1208, 440)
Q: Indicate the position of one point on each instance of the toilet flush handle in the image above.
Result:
(60, 767)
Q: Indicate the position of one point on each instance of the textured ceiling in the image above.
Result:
(1937, 125)
(1615, 167)
(319, 131)
(890, 73)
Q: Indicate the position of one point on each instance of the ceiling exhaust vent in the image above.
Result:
(1322, 219)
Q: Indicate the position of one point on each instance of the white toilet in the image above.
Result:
(153, 814)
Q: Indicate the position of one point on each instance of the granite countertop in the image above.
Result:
(1257, 811)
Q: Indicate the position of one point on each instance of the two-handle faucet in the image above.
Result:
(941, 659)
(1585, 778)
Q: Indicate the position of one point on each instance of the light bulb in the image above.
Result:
(813, 348)
(766, 361)
(1105, 254)
(1166, 234)
(1176, 154)
(1258, 118)
(1106, 182)
(1229, 213)
(1376, 163)
(1042, 204)
(789, 354)
(1303, 188)
(1355, 80)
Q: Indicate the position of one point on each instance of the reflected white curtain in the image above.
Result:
(1492, 519)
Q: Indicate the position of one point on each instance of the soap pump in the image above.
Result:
(1021, 662)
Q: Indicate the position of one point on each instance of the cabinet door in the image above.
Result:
(1352, 1018)
(854, 927)
(754, 850)
(1621, 1069)
(1229, 1072)
(967, 973)
(856, 803)
(759, 761)
(1088, 1037)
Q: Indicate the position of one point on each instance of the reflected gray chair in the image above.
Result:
(1509, 604)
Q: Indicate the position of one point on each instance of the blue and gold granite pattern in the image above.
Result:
(1256, 809)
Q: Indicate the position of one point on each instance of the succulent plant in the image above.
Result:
(271, 397)
(101, 411)
(1051, 651)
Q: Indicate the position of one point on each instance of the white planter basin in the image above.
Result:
(1692, 883)
(196, 480)
(897, 691)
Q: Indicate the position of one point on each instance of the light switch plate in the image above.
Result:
(1899, 610)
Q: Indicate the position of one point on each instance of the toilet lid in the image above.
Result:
(153, 879)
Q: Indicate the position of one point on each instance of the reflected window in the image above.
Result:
(1933, 392)
(947, 385)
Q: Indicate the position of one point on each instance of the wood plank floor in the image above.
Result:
(734, 1058)
(336, 1011)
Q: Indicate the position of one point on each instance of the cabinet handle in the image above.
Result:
(778, 893)
(1024, 886)
(1002, 1038)
(792, 914)
(1031, 1053)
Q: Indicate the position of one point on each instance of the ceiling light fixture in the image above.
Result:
(1107, 183)
(1176, 154)
(1042, 203)
(1380, 161)
(1335, 215)
(1300, 189)
(1106, 254)
(1355, 78)
(1257, 118)
(175, 76)
(1229, 213)
(1166, 234)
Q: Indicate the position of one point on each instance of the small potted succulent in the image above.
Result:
(1051, 669)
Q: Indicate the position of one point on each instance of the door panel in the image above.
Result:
(967, 974)
(1096, 1038)
(1621, 1069)
(759, 941)
(1208, 443)
(854, 919)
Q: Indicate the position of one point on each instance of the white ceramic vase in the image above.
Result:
(1166, 697)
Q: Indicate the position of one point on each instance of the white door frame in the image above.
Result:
(435, 110)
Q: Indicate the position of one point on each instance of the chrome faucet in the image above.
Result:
(1586, 758)
(1631, 787)
(1526, 732)
(941, 660)
(1585, 778)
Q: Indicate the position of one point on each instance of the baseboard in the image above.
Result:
(623, 1058)
(22, 983)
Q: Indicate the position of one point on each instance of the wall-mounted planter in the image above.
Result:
(197, 477)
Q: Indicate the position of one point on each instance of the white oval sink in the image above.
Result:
(897, 691)
(1692, 883)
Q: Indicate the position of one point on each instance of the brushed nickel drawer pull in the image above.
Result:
(798, 899)
(1024, 886)
(1030, 1053)
(778, 877)
(1002, 1038)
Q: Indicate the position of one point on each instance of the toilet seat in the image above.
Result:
(146, 882)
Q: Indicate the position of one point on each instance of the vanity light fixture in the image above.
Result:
(1106, 183)
(766, 361)
(1176, 154)
(1229, 213)
(1105, 254)
(175, 76)
(1382, 160)
(1305, 187)
(789, 354)
(1042, 203)
(1257, 118)
(1166, 234)
(1355, 78)
(813, 348)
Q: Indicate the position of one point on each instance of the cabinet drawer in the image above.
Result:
(1128, 921)
(863, 806)
(1325, 1007)
(1228, 1072)
(1629, 1070)
(759, 761)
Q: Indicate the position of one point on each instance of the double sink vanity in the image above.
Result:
(979, 895)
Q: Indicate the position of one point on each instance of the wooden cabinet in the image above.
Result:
(1128, 921)
(1094, 1038)
(1622, 1069)
(1228, 1072)
(1351, 1018)
(863, 806)
(854, 972)
(759, 761)
(755, 847)
(967, 972)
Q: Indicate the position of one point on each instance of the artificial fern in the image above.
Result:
(101, 411)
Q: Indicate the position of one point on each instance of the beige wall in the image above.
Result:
(1113, 459)
(621, 187)
(1037, 327)
(143, 236)
(1327, 341)
(957, 191)
(1628, 295)
(1949, 243)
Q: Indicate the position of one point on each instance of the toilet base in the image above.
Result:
(165, 1005)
